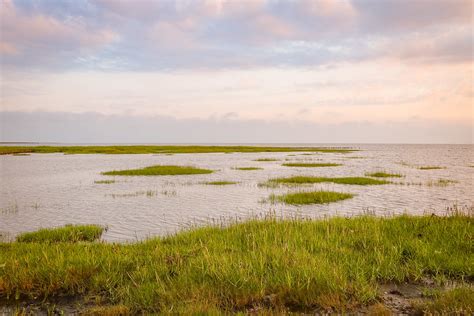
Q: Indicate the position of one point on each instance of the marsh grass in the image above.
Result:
(457, 301)
(315, 266)
(337, 180)
(104, 181)
(247, 168)
(441, 183)
(310, 165)
(265, 159)
(158, 170)
(148, 193)
(4, 150)
(431, 167)
(220, 182)
(68, 233)
(383, 174)
(315, 197)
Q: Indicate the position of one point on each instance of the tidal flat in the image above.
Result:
(71, 189)
(155, 240)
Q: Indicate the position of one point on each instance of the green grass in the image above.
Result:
(20, 154)
(220, 182)
(158, 170)
(458, 301)
(161, 149)
(265, 159)
(340, 180)
(248, 168)
(382, 174)
(310, 165)
(332, 265)
(104, 181)
(68, 233)
(315, 197)
(430, 167)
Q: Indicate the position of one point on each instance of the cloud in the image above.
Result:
(40, 38)
(159, 35)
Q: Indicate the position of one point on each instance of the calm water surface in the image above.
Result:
(47, 190)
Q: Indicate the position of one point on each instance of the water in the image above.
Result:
(47, 190)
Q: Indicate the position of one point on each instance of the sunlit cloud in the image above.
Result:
(317, 61)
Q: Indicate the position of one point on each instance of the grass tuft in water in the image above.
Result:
(220, 182)
(248, 168)
(431, 167)
(68, 233)
(441, 183)
(310, 165)
(265, 159)
(159, 170)
(315, 197)
(341, 180)
(382, 174)
(104, 181)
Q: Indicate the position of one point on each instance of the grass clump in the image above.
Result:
(220, 182)
(382, 174)
(332, 265)
(265, 159)
(141, 149)
(430, 167)
(457, 301)
(310, 165)
(340, 180)
(68, 233)
(104, 181)
(316, 197)
(158, 170)
(248, 168)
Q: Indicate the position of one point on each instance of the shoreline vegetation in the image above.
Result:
(265, 265)
(158, 170)
(175, 149)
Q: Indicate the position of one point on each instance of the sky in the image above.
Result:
(244, 71)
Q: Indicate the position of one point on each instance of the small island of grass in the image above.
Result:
(158, 170)
(265, 159)
(382, 174)
(430, 167)
(315, 197)
(340, 180)
(220, 182)
(247, 168)
(310, 165)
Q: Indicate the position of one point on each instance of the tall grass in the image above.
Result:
(332, 265)
(160, 149)
(158, 170)
(68, 233)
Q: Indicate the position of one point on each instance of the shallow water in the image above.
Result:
(47, 190)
